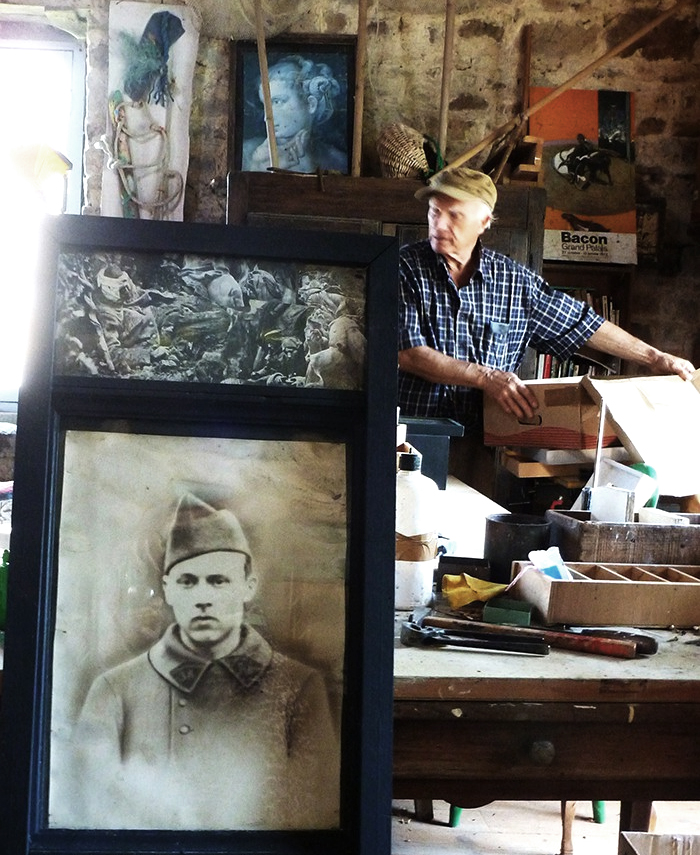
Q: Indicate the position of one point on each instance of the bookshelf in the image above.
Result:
(607, 288)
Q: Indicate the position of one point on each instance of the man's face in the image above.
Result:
(290, 110)
(207, 594)
(454, 225)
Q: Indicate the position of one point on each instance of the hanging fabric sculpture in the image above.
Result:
(146, 76)
(151, 64)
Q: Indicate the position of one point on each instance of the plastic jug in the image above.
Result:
(417, 518)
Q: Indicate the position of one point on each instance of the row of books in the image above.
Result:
(548, 366)
(601, 303)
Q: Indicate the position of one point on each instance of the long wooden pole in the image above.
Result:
(360, 65)
(524, 103)
(447, 65)
(527, 67)
(572, 81)
(265, 85)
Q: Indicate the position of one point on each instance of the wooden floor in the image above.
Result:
(525, 828)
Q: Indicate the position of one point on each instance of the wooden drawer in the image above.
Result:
(504, 751)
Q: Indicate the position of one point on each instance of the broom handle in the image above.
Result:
(524, 101)
(447, 64)
(265, 85)
(360, 63)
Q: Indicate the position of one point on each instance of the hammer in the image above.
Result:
(415, 635)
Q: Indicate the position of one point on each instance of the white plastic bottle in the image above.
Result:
(417, 518)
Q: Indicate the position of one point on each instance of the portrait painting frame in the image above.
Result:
(308, 475)
(331, 129)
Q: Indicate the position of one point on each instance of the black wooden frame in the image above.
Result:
(363, 420)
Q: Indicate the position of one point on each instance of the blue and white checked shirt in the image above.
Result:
(504, 308)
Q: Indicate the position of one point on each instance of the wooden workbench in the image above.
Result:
(474, 727)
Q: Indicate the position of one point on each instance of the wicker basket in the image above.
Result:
(402, 152)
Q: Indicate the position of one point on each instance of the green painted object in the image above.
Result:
(509, 611)
(651, 472)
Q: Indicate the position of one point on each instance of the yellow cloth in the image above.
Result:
(463, 589)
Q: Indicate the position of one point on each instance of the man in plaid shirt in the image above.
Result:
(467, 315)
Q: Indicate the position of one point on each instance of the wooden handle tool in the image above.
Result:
(620, 648)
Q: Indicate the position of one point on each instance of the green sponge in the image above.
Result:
(507, 610)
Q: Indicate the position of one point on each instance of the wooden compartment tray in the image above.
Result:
(602, 594)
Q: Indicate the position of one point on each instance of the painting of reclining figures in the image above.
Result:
(203, 319)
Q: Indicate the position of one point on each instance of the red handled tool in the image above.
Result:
(622, 648)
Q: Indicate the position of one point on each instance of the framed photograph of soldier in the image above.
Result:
(255, 746)
(311, 83)
(198, 575)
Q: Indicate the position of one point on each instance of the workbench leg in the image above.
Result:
(568, 812)
(635, 816)
(424, 810)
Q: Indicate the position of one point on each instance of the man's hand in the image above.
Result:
(510, 393)
(667, 363)
(506, 388)
(609, 338)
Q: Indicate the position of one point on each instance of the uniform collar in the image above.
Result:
(183, 668)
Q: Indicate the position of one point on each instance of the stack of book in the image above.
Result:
(547, 366)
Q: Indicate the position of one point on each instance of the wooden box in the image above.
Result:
(579, 539)
(602, 594)
(643, 843)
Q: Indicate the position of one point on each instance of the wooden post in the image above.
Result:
(527, 63)
(360, 63)
(519, 131)
(572, 81)
(447, 65)
(265, 84)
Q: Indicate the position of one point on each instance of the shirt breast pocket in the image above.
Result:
(498, 330)
(497, 337)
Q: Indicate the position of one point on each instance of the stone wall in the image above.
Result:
(405, 45)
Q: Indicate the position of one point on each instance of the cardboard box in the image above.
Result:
(643, 843)
(602, 594)
(580, 539)
(656, 419)
(568, 417)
